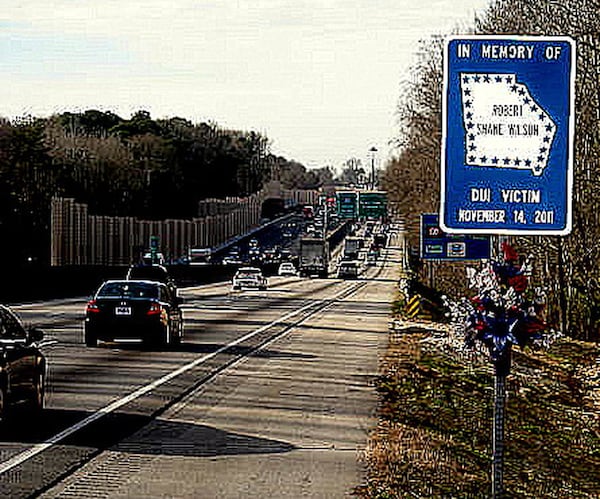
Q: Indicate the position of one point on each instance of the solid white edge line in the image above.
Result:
(38, 448)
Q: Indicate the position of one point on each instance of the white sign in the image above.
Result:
(505, 126)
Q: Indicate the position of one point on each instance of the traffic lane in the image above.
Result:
(82, 381)
(95, 376)
(61, 312)
(284, 425)
(62, 320)
(304, 414)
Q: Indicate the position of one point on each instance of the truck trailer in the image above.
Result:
(314, 257)
(352, 247)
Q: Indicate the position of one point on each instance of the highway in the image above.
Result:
(269, 394)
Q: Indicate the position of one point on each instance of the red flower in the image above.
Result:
(518, 282)
(510, 255)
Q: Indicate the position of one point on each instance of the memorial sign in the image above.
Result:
(507, 142)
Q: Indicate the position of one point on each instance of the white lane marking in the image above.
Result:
(47, 343)
(38, 448)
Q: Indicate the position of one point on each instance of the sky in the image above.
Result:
(320, 78)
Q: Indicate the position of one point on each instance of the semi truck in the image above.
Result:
(314, 257)
(352, 246)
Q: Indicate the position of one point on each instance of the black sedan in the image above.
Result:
(22, 365)
(146, 311)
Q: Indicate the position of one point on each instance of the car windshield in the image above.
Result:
(129, 290)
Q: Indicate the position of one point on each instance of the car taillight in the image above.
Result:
(155, 309)
(92, 307)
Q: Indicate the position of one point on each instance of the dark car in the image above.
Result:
(380, 240)
(147, 311)
(234, 257)
(348, 269)
(22, 365)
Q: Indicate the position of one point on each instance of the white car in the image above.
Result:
(287, 268)
(249, 277)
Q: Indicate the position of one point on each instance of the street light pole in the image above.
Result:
(373, 150)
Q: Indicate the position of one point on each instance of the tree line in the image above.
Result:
(568, 267)
(141, 167)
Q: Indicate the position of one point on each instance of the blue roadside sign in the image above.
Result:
(507, 138)
(439, 245)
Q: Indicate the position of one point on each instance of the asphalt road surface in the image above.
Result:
(270, 394)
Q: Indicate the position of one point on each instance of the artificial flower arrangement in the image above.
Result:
(504, 311)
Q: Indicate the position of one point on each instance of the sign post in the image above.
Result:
(507, 139)
(154, 243)
(507, 154)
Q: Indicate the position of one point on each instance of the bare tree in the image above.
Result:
(569, 265)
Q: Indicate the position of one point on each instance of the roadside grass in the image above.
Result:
(433, 437)
(398, 305)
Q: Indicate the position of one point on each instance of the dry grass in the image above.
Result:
(434, 433)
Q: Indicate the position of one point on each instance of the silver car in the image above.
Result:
(287, 268)
(249, 277)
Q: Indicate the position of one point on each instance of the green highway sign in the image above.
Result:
(347, 204)
(372, 204)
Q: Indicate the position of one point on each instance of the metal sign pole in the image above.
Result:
(498, 435)
(502, 369)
